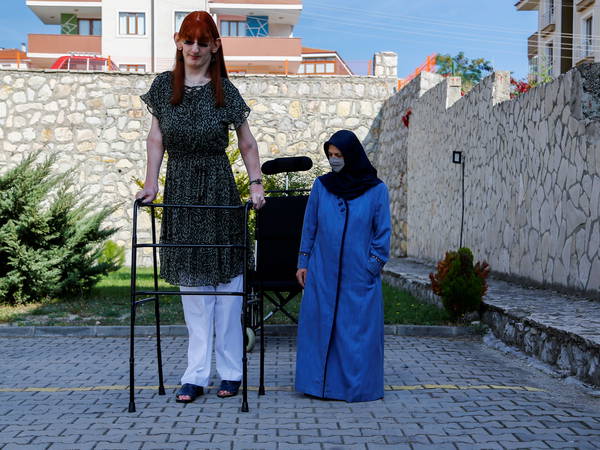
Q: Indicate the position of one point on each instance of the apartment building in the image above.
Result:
(568, 34)
(257, 35)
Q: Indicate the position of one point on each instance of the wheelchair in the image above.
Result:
(277, 240)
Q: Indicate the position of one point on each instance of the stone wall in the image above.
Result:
(385, 64)
(392, 148)
(98, 125)
(532, 175)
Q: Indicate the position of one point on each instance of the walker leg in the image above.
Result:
(132, 362)
(261, 387)
(132, 316)
(244, 361)
(161, 384)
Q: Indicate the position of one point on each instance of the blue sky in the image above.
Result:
(492, 29)
(412, 28)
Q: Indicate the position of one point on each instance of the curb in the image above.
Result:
(10, 331)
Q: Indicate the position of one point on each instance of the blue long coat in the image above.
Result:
(340, 332)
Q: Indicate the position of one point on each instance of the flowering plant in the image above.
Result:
(519, 87)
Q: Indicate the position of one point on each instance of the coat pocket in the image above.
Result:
(374, 266)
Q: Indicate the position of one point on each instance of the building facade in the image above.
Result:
(568, 34)
(137, 35)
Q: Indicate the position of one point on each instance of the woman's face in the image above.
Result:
(197, 53)
(333, 151)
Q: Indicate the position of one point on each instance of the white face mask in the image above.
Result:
(337, 164)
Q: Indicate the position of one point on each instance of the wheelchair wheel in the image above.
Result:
(250, 339)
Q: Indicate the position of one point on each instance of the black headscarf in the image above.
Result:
(358, 174)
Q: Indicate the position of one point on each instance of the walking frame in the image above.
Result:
(248, 298)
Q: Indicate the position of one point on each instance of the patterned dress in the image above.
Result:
(195, 135)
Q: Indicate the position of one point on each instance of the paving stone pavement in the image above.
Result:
(441, 393)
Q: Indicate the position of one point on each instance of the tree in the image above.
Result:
(471, 71)
(51, 237)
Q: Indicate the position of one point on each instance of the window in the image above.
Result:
(549, 56)
(179, 16)
(233, 28)
(323, 65)
(89, 27)
(587, 37)
(132, 23)
(140, 68)
(257, 26)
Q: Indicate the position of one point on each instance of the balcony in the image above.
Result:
(262, 54)
(532, 45)
(582, 5)
(44, 49)
(548, 22)
(584, 53)
(527, 5)
(49, 11)
(279, 11)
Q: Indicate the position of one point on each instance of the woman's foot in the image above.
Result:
(188, 393)
(228, 388)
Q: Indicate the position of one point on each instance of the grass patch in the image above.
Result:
(109, 304)
(402, 308)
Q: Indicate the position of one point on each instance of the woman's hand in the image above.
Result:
(147, 194)
(257, 195)
(301, 276)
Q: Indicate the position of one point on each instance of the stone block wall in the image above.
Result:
(98, 125)
(392, 148)
(532, 175)
(385, 64)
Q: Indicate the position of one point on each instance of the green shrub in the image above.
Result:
(461, 284)
(50, 237)
(112, 253)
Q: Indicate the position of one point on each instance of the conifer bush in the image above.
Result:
(51, 238)
(461, 284)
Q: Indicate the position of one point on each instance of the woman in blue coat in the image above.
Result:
(345, 243)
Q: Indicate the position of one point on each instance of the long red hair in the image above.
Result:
(199, 26)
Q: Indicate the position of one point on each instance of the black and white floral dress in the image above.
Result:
(195, 135)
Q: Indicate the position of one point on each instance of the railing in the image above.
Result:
(548, 15)
(585, 49)
(534, 65)
(427, 66)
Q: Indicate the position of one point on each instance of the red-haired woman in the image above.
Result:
(194, 107)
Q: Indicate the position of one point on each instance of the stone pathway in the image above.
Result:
(441, 393)
(571, 314)
(557, 328)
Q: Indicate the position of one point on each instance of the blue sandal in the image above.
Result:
(190, 390)
(231, 387)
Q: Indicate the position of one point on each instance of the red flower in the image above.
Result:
(406, 117)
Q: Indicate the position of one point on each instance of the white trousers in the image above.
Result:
(219, 316)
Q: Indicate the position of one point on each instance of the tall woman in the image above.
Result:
(193, 107)
(345, 243)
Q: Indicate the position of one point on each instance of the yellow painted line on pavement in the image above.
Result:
(277, 388)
